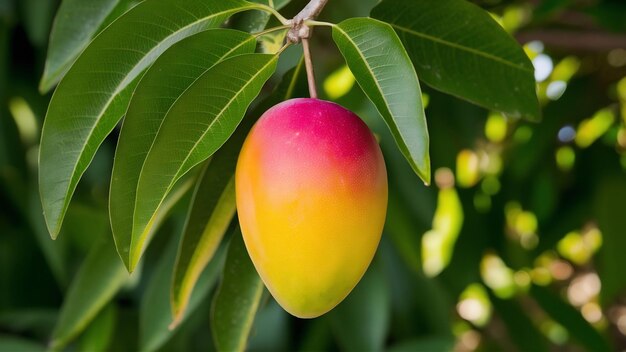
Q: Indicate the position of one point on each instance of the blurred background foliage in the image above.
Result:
(518, 245)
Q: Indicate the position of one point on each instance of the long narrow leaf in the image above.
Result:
(155, 313)
(69, 36)
(237, 299)
(213, 204)
(198, 124)
(458, 48)
(99, 279)
(162, 86)
(384, 71)
(94, 94)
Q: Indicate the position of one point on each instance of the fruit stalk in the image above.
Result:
(310, 76)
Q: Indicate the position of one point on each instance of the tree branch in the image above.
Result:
(298, 29)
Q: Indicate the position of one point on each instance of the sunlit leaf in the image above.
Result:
(384, 71)
(438, 243)
(213, 204)
(171, 76)
(237, 299)
(458, 48)
(94, 94)
(69, 35)
(98, 280)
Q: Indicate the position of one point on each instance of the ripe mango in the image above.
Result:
(311, 189)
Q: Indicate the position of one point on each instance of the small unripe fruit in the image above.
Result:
(311, 192)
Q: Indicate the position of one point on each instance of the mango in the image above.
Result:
(311, 190)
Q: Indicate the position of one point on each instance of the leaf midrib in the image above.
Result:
(461, 47)
(176, 175)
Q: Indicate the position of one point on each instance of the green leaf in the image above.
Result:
(237, 299)
(196, 126)
(15, 344)
(164, 84)
(609, 210)
(520, 328)
(98, 280)
(255, 21)
(384, 71)
(93, 96)
(570, 318)
(155, 314)
(361, 321)
(458, 48)
(70, 36)
(213, 204)
(99, 333)
(431, 343)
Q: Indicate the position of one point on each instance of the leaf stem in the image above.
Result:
(313, 23)
(273, 11)
(309, 68)
(270, 30)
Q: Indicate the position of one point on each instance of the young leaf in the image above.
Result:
(163, 84)
(155, 313)
(237, 299)
(70, 36)
(458, 48)
(94, 94)
(384, 71)
(213, 203)
(98, 280)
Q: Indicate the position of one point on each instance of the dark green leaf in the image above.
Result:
(458, 48)
(256, 20)
(71, 34)
(569, 318)
(94, 94)
(98, 280)
(196, 126)
(361, 321)
(15, 344)
(609, 209)
(213, 204)
(171, 76)
(237, 299)
(99, 333)
(520, 328)
(384, 71)
(434, 343)
(155, 313)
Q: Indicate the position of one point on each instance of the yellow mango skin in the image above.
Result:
(311, 190)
